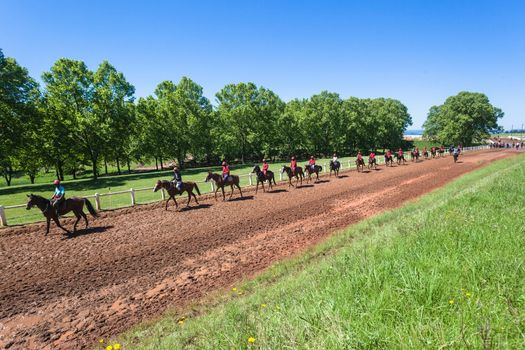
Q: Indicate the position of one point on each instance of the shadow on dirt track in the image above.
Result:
(200, 206)
(88, 231)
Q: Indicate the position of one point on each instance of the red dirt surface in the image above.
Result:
(64, 293)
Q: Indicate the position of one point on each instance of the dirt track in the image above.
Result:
(134, 263)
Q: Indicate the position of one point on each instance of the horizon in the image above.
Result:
(417, 53)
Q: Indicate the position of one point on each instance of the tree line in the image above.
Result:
(81, 118)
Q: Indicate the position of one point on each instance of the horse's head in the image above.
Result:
(209, 177)
(283, 169)
(31, 201)
(256, 169)
(158, 186)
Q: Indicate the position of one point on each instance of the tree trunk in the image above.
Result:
(161, 164)
(156, 164)
(118, 166)
(105, 166)
(32, 178)
(129, 166)
(94, 167)
(8, 174)
(60, 171)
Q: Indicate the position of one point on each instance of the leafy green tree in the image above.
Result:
(18, 95)
(70, 125)
(464, 118)
(290, 136)
(111, 111)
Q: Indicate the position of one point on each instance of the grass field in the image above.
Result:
(444, 272)
(15, 195)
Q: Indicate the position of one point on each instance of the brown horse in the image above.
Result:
(233, 180)
(299, 174)
(372, 163)
(74, 204)
(360, 163)
(187, 186)
(309, 171)
(270, 176)
(389, 160)
(334, 166)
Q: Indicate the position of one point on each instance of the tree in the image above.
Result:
(70, 126)
(18, 94)
(464, 118)
(112, 111)
(247, 119)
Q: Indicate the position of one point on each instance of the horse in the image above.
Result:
(334, 166)
(433, 152)
(425, 154)
(414, 156)
(309, 171)
(400, 158)
(74, 204)
(262, 178)
(441, 152)
(360, 163)
(187, 186)
(372, 163)
(299, 174)
(232, 180)
(389, 160)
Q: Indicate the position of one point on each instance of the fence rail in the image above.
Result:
(132, 192)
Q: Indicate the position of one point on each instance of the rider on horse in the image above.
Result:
(372, 156)
(177, 178)
(311, 163)
(359, 156)
(225, 171)
(389, 154)
(265, 167)
(400, 153)
(58, 197)
(293, 164)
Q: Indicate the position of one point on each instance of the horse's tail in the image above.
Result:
(197, 189)
(320, 168)
(90, 208)
(273, 177)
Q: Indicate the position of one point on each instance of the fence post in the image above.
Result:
(250, 179)
(97, 201)
(3, 219)
(163, 194)
(280, 176)
(325, 167)
(132, 191)
(212, 186)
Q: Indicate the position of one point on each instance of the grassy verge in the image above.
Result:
(446, 271)
(15, 195)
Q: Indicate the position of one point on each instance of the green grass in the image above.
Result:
(444, 272)
(15, 195)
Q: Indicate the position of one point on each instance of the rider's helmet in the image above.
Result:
(223, 162)
(400, 149)
(56, 182)
(335, 155)
(293, 157)
(311, 157)
(264, 160)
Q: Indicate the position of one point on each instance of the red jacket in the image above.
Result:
(265, 167)
(359, 156)
(311, 162)
(400, 153)
(389, 154)
(225, 170)
(293, 164)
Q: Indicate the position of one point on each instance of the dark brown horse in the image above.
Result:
(360, 164)
(270, 176)
(372, 163)
(233, 180)
(299, 174)
(74, 204)
(389, 160)
(187, 186)
(309, 170)
(334, 166)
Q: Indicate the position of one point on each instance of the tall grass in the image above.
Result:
(445, 272)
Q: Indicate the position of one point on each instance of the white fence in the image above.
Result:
(132, 192)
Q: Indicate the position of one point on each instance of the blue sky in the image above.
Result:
(419, 52)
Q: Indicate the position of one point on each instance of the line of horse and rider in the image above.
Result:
(57, 206)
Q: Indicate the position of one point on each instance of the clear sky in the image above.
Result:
(419, 52)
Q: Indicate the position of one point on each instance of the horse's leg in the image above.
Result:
(257, 186)
(85, 217)
(216, 193)
(76, 222)
(231, 193)
(176, 204)
(48, 221)
(239, 187)
(55, 219)
(189, 198)
(223, 195)
(167, 202)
